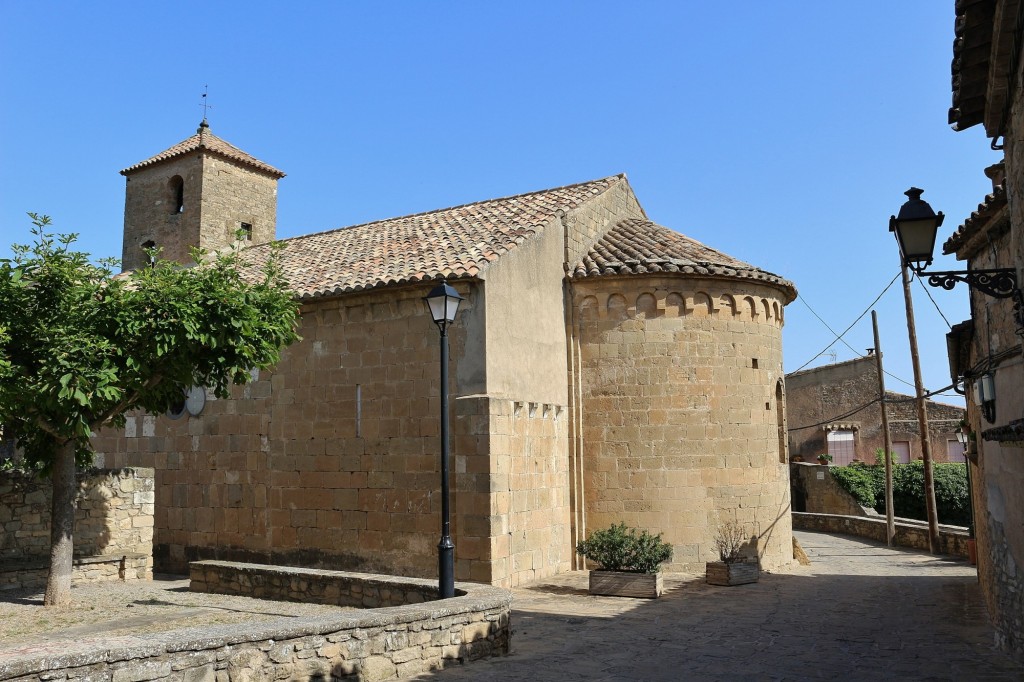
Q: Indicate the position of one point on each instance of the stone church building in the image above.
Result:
(603, 368)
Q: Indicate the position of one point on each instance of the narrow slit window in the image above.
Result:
(245, 232)
(177, 191)
(148, 252)
(359, 411)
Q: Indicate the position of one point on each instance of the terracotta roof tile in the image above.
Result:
(204, 139)
(636, 246)
(448, 243)
(978, 219)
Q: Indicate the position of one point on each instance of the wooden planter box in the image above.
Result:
(623, 584)
(740, 573)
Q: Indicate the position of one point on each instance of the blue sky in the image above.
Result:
(781, 133)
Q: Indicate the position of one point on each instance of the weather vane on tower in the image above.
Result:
(205, 103)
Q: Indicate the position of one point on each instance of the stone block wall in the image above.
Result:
(678, 381)
(818, 395)
(113, 526)
(331, 460)
(815, 490)
(998, 474)
(218, 194)
(588, 223)
(233, 194)
(515, 494)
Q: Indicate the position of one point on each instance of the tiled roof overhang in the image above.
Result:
(641, 247)
(972, 46)
(992, 208)
(208, 142)
(986, 46)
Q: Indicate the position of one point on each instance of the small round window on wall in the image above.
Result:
(177, 410)
(176, 190)
(192, 402)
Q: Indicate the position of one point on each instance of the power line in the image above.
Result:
(835, 419)
(933, 301)
(839, 337)
(867, 405)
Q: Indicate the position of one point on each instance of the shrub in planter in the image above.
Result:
(734, 568)
(629, 561)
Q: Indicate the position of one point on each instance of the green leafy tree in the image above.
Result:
(80, 347)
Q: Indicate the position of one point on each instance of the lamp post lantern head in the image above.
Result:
(443, 302)
(916, 226)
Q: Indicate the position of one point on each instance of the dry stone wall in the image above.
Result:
(381, 644)
(677, 382)
(113, 527)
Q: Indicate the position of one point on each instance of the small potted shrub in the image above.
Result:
(734, 568)
(629, 562)
(824, 459)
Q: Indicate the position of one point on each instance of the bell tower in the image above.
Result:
(201, 192)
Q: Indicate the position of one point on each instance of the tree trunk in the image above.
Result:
(62, 526)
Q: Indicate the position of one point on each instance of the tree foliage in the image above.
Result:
(866, 482)
(80, 347)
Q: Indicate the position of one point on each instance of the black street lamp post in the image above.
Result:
(915, 228)
(443, 302)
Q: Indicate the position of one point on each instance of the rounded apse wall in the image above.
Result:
(682, 426)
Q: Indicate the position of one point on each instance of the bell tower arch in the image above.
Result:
(202, 192)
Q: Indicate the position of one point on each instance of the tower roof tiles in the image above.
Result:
(204, 139)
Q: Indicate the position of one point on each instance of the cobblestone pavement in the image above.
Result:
(860, 611)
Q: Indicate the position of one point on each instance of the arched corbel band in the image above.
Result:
(916, 226)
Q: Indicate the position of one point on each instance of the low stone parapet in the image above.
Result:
(366, 644)
(289, 583)
(34, 572)
(909, 532)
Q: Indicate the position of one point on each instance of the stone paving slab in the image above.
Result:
(860, 611)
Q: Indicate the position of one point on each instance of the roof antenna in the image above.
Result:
(205, 105)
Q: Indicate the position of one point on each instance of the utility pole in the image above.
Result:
(922, 420)
(890, 524)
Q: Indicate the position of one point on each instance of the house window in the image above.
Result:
(841, 447)
(902, 450)
(954, 451)
(245, 232)
(176, 186)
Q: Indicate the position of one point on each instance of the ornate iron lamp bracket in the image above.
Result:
(995, 282)
(998, 283)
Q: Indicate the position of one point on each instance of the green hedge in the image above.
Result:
(866, 482)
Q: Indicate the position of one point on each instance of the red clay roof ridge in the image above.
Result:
(618, 176)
